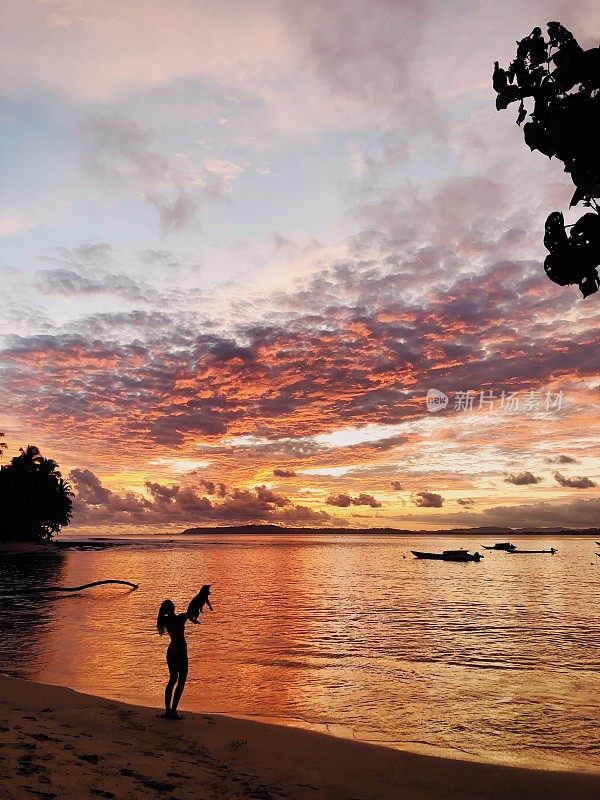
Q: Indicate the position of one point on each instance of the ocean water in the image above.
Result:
(496, 660)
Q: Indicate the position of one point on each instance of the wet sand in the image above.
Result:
(57, 743)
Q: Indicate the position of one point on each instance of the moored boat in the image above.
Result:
(449, 555)
(528, 552)
(507, 546)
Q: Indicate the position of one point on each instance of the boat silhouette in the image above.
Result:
(449, 555)
(507, 546)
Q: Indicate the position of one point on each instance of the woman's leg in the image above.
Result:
(173, 674)
(181, 679)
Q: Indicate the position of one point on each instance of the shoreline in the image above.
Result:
(56, 742)
(12, 548)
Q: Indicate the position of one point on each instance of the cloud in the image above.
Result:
(522, 479)
(89, 488)
(185, 505)
(428, 500)
(284, 473)
(211, 487)
(70, 283)
(92, 500)
(581, 482)
(115, 153)
(579, 513)
(298, 67)
(359, 342)
(86, 257)
(363, 55)
(161, 494)
(397, 486)
(175, 211)
(345, 500)
(351, 349)
(467, 502)
(561, 459)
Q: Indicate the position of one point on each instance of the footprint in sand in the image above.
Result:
(149, 783)
(262, 794)
(93, 758)
(27, 767)
(38, 792)
(158, 786)
(41, 737)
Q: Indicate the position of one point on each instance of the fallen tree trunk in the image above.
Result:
(41, 590)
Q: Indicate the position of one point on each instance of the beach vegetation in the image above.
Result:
(35, 500)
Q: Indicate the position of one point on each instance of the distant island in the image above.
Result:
(483, 531)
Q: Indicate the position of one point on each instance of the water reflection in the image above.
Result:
(496, 659)
(27, 619)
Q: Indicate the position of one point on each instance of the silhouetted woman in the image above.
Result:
(177, 657)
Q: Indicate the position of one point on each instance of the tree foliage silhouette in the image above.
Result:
(563, 80)
(35, 501)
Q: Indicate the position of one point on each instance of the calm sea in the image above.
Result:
(496, 660)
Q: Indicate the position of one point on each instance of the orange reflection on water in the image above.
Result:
(496, 659)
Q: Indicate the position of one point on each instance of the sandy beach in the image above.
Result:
(57, 743)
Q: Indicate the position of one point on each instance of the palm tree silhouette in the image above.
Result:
(35, 500)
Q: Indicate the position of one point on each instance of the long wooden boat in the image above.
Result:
(449, 555)
(528, 552)
(507, 546)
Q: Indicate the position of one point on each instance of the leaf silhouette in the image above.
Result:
(564, 81)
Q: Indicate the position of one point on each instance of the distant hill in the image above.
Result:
(483, 531)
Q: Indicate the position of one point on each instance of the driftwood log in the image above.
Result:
(43, 589)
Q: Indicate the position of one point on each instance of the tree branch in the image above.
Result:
(43, 589)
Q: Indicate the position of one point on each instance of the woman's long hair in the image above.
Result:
(166, 610)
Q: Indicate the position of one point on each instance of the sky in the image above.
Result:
(242, 241)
